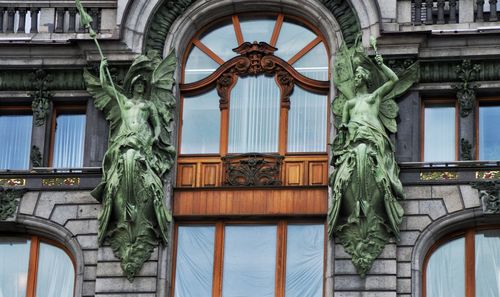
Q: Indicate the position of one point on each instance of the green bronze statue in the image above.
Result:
(139, 154)
(364, 205)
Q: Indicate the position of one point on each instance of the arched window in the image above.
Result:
(35, 267)
(464, 264)
(254, 91)
(255, 84)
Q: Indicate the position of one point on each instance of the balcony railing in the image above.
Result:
(487, 10)
(430, 12)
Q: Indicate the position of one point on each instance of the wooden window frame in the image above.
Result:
(494, 101)
(34, 257)
(224, 112)
(58, 110)
(428, 102)
(469, 254)
(281, 250)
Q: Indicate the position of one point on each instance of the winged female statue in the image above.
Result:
(138, 155)
(364, 209)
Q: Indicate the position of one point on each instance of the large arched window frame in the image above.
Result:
(460, 264)
(234, 85)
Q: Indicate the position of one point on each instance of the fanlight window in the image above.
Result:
(255, 85)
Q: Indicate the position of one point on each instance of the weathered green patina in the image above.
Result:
(466, 90)
(139, 154)
(364, 209)
(41, 95)
(9, 199)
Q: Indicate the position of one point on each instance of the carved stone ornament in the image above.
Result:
(466, 90)
(465, 149)
(489, 193)
(9, 199)
(40, 105)
(36, 157)
(252, 169)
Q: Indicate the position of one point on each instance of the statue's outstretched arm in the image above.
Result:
(393, 78)
(110, 90)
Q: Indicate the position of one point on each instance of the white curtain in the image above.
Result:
(56, 274)
(445, 275)
(15, 134)
(254, 115)
(488, 263)
(14, 260)
(439, 133)
(249, 261)
(195, 261)
(304, 261)
(69, 139)
(307, 122)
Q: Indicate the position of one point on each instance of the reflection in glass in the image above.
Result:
(221, 41)
(489, 138)
(201, 124)
(307, 122)
(198, 66)
(194, 264)
(314, 64)
(69, 139)
(488, 263)
(15, 133)
(14, 260)
(257, 30)
(445, 275)
(292, 39)
(249, 261)
(254, 115)
(304, 261)
(439, 133)
(56, 274)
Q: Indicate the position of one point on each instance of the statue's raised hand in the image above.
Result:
(379, 60)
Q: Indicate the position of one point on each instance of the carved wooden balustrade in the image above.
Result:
(252, 169)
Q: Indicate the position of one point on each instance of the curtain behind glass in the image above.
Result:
(304, 261)
(489, 138)
(14, 260)
(254, 115)
(69, 139)
(195, 261)
(445, 275)
(249, 261)
(439, 133)
(56, 274)
(488, 263)
(307, 122)
(201, 124)
(15, 134)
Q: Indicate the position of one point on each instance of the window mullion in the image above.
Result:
(237, 29)
(470, 263)
(218, 260)
(281, 259)
(277, 29)
(33, 267)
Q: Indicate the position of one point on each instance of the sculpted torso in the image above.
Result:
(136, 115)
(364, 108)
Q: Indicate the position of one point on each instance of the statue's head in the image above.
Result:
(138, 85)
(361, 77)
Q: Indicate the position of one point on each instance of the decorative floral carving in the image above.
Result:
(40, 105)
(36, 157)
(488, 175)
(9, 199)
(61, 181)
(252, 169)
(438, 175)
(466, 149)
(466, 90)
(489, 193)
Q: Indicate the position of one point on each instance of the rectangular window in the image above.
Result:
(68, 137)
(440, 132)
(15, 134)
(227, 260)
(489, 138)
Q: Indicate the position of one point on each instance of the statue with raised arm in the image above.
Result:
(364, 205)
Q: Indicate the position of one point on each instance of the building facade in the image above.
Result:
(252, 128)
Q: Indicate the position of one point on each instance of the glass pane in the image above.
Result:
(69, 139)
(445, 275)
(314, 64)
(15, 133)
(221, 41)
(198, 65)
(439, 131)
(195, 261)
(254, 115)
(292, 39)
(488, 263)
(257, 30)
(56, 274)
(201, 124)
(249, 261)
(14, 260)
(489, 138)
(304, 261)
(307, 121)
